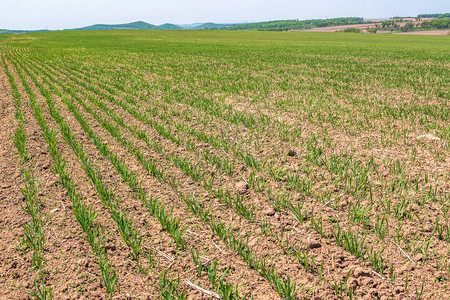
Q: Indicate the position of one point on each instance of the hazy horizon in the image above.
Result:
(55, 15)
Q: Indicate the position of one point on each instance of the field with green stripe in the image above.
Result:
(140, 164)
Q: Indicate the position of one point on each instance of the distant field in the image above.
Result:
(362, 27)
(224, 164)
(428, 32)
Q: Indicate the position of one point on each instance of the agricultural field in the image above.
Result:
(139, 164)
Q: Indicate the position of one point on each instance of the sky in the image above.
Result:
(61, 14)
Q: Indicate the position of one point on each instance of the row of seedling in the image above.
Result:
(33, 238)
(127, 78)
(169, 287)
(125, 225)
(236, 201)
(226, 287)
(281, 286)
(85, 215)
(224, 194)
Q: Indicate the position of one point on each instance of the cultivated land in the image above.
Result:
(202, 164)
(428, 32)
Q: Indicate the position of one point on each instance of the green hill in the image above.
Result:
(168, 26)
(133, 25)
(213, 26)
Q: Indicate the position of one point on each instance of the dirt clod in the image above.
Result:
(241, 186)
(419, 257)
(314, 245)
(270, 211)
(361, 272)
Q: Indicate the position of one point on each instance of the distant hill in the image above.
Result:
(169, 26)
(134, 25)
(213, 25)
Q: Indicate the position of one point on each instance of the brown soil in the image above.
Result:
(427, 32)
(394, 254)
(12, 216)
(79, 275)
(68, 257)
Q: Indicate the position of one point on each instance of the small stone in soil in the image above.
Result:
(241, 186)
(269, 212)
(112, 248)
(361, 272)
(314, 245)
(292, 153)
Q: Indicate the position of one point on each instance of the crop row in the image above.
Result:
(283, 287)
(130, 237)
(357, 210)
(294, 252)
(194, 133)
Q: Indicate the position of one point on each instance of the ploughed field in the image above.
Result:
(231, 165)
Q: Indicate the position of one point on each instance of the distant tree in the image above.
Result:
(407, 27)
(437, 16)
(386, 24)
(356, 30)
(440, 23)
(295, 24)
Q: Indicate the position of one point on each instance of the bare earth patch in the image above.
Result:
(427, 32)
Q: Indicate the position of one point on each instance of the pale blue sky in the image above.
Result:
(60, 14)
